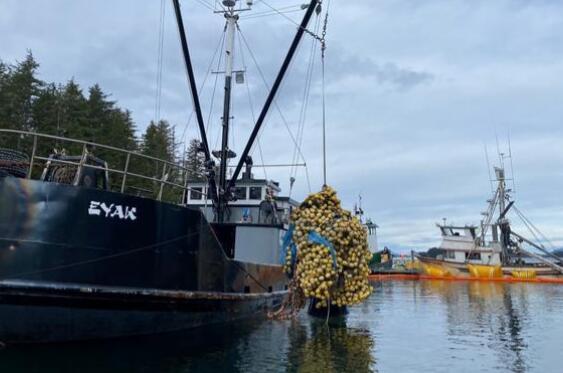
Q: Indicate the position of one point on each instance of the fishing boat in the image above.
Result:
(492, 250)
(81, 259)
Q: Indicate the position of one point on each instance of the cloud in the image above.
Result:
(414, 90)
(356, 67)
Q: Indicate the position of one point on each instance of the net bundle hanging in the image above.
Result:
(325, 252)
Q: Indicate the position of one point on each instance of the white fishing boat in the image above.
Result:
(491, 249)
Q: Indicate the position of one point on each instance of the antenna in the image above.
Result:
(488, 166)
(500, 155)
(511, 166)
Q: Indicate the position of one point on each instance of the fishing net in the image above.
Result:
(13, 163)
(325, 252)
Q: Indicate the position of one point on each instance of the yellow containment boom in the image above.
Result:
(435, 270)
(484, 271)
(524, 273)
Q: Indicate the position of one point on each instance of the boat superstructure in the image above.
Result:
(94, 249)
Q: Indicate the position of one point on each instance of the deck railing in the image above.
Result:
(166, 168)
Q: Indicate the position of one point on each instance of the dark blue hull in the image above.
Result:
(74, 269)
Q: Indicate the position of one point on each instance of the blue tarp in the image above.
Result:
(314, 237)
(317, 238)
(288, 243)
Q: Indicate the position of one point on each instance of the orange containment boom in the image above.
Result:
(403, 277)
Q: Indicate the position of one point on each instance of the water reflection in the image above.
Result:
(331, 347)
(486, 310)
(430, 326)
(303, 345)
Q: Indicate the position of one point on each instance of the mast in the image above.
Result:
(225, 153)
(503, 222)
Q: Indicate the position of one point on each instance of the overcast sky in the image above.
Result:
(414, 91)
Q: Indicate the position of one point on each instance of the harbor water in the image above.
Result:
(405, 326)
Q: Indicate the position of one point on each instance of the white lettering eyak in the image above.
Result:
(112, 211)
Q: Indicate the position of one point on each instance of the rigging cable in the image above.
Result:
(160, 52)
(202, 85)
(284, 120)
(250, 103)
(307, 31)
(527, 226)
(305, 101)
(284, 8)
(206, 4)
(216, 78)
(532, 227)
(277, 11)
(323, 50)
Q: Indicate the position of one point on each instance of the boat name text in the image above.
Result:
(112, 211)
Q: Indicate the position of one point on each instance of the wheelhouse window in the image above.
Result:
(240, 192)
(255, 193)
(473, 256)
(196, 193)
(450, 254)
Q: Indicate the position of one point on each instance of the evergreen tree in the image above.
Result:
(26, 103)
(195, 161)
(99, 110)
(19, 88)
(47, 109)
(74, 114)
(158, 141)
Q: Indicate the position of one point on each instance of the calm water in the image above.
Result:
(427, 326)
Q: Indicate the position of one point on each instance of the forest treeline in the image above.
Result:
(30, 104)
